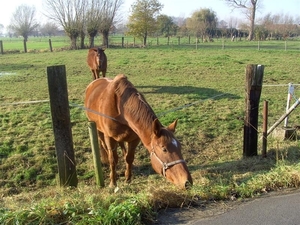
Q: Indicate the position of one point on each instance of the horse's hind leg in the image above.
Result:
(129, 157)
(103, 149)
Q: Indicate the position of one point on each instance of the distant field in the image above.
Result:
(58, 43)
(204, 88)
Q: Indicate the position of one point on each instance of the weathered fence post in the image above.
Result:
(50, 45)
(289, 98)
(122, 42)
(1, 47)
(254, 79)
(60, 112)
(96, 153)
(265, 129)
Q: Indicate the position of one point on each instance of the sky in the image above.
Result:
(177, 8)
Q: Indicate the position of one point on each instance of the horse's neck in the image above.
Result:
(143, 133)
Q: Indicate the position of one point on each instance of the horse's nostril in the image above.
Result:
(187, 185)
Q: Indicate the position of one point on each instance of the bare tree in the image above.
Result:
(93, 19)
(70, 14)
(232, 24)
(1, 28)
(250, 8)
(109, 13)
(49, 29)
(23, 21)
(280, 26)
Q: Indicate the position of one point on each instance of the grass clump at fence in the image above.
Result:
(204, 88)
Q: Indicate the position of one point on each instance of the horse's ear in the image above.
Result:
(172, 126)
(156, 127)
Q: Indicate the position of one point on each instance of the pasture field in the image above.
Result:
(59, 43)
(203, 88)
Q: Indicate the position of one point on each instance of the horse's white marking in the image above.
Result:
(174, 142)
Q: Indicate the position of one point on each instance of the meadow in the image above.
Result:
(204, 88)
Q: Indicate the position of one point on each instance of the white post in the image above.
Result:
(289, 98)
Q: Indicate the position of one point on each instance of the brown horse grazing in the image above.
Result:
(97, 61)
(122, 115)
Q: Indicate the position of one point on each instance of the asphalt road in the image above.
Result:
(275, 209)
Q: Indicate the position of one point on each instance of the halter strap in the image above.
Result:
(166, 166)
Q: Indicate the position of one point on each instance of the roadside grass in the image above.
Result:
(203, 88)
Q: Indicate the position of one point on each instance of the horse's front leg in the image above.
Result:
(94, 74)
(129, 157)
(111, 145)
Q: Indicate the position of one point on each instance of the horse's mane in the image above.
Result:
(132, 101)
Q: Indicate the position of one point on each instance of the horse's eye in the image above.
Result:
(164, 149)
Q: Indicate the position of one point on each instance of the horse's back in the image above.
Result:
(103, 106)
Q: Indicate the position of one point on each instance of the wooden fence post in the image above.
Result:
(96, 153)
(60, 112)
(254, 79)
(265, 129)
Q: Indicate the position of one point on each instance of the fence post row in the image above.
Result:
(60, 112)
(254, 79)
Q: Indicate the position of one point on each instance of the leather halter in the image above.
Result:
(165, 165)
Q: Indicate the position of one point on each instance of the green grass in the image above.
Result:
(204, 88)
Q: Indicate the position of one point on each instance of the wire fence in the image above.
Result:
(282, 90)
(44, 44)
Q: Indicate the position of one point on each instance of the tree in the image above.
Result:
(142, 21)
(249, 7)
(93, 20)
(279, 25)
(48, 29)
(166, 25)
(69, 14)
(202, 23)
(109, 12)
(1, 28)
(23, 21)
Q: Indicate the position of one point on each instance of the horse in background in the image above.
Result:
(121, 115)
(97, 61)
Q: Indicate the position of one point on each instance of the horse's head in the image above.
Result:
(100, 57)
(166, 157)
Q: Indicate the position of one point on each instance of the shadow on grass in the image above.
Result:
(196, 92)
(242, 171)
